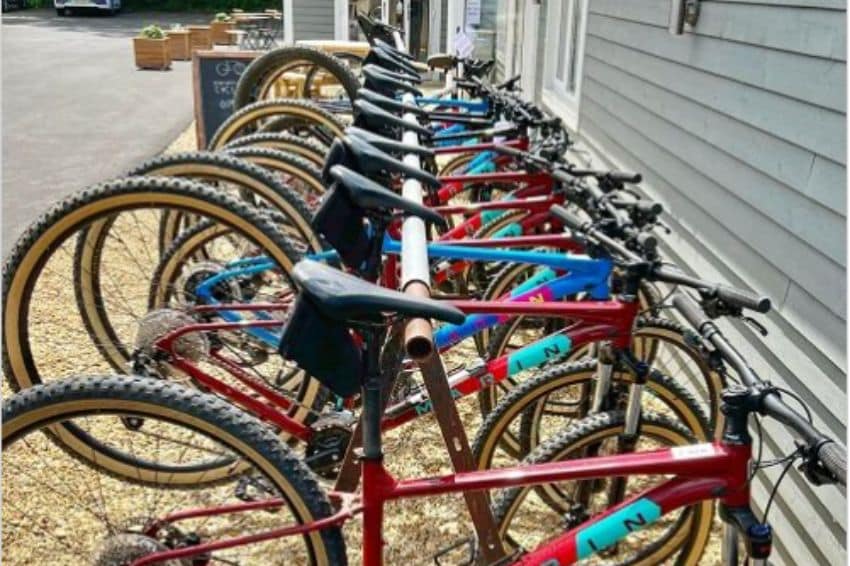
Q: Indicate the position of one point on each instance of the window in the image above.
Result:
(565, 29)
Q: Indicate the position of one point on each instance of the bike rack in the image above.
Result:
(419, 343)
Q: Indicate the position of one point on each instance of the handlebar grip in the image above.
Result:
(833, 456)
(649, 207)
(690, 310)
(625, 177)
(743, 299)
(648, 242)
(563, 177)
(569, 219)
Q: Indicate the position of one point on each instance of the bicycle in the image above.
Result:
(701, 473)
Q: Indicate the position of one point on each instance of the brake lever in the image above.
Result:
(755, 325)
(812, 468)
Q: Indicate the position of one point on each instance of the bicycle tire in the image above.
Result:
(308, 149)
(252, 84)
(694, 525)
(310, 186)
(22, 269)
(527, 397)
(46, 405)
(252, 178)
(657, 330)
(242, 121)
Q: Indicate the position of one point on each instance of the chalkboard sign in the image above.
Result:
(214, 75)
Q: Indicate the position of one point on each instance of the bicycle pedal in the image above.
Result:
(471, 550)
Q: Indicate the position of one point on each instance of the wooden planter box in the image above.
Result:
(179, 45)
(218, 32)
(199, 37)
(152, 53)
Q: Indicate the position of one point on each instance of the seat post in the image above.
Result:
(371, 391)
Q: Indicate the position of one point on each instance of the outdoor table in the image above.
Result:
(259, 31)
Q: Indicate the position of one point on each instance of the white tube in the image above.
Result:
(414, 242)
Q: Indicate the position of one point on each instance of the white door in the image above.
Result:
(566, 23)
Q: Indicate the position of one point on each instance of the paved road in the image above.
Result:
(75, 110)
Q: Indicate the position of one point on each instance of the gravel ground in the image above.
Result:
(414, 529)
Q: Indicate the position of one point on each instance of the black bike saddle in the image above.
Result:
(391, 146)
(388, 60)
(371, 160)
(366, 194)
(378, 120)
(389, 104)
(385, 82)
(349, 299)
(392, 48)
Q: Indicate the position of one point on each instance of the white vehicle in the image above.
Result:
(66, 7)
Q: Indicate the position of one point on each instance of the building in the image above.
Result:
(738, 126)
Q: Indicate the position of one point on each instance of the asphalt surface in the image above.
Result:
(75, 111)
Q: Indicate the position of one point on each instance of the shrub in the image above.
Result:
(152, 32)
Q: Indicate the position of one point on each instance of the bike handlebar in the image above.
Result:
(729, 295)
(827, 452)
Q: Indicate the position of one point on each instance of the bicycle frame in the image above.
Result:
(701, 472)
(584, 274)
(596, 320)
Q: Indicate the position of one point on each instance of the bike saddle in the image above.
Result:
(386, 59)
(375, 30)
(389, 104)
(389, 145)
(369, 195)
(385, 82)
(375, 119)
(392, 49)
(371, 161)
(442, 61)
(345, 298)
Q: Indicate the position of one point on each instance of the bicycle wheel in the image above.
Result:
(45, 338)
(59, 510)
(528, 516)
(309, 149)
(299, 71)
(239, 176)
(543, 405)
(292, 171)
(228, 174)
(660, 343)
(308, 120)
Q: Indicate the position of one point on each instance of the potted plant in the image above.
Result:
(219, 27)
(151, 49)
(179, 43)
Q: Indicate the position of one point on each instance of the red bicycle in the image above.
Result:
(279, 508)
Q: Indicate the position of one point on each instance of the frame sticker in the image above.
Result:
(615, 526)
(692, 451)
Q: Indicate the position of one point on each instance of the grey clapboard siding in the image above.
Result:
(313, 19)
(739, 127)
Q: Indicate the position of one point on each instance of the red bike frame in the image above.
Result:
(701, 472)
(595, 321)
